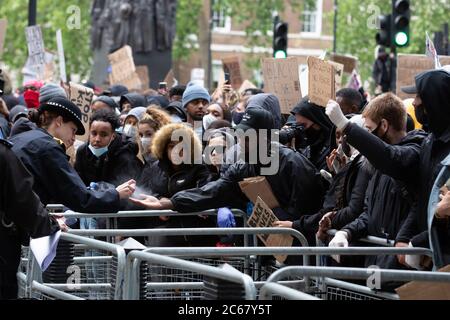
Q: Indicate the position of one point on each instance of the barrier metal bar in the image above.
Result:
(307, 251)
(360, 274)
(134, 258)
(271, 289)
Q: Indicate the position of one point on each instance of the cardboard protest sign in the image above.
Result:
(82, 97)
(259, 187)
(123, 69)
(3, 26)
(321, 82)
(170, 79)
(263, 217)
(61, 58)
(350, 63)
(339, 74)
(232, 65)
(142, 72)
(281, 77)
(410, 65)
(36, 49)
(246, 85)
(416, 290)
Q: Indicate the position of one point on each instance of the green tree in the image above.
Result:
(356, 34)
(51, 16)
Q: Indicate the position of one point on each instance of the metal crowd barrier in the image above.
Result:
(134, 284)
(75, 277)
(347, 289)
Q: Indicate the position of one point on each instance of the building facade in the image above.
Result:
(310, 34)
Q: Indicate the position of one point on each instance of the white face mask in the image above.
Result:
(98, 152)
(146, 143)
(207, 120)
(175, 118)
(129, 130)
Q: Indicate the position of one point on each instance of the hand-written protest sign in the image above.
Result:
(82, 97)
(339, 73)
(3, 25)
(282, 79)
(263, 217)
(410, 65)
(232, 65)
(322, 85)
(142, 72)
(350, 63)
(123, 69)
(36, 49)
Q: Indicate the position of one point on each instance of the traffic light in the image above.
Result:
(401, 15)
(384, 37)
(280, 39)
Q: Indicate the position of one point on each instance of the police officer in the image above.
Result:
(22, 215)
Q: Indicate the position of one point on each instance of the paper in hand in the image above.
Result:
(44, 249)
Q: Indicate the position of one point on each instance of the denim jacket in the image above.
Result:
(442, 178)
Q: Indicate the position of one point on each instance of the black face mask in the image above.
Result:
(312, 136)
(375, 132)
(237, 117)
(420, 115)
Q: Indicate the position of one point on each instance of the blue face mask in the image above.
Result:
(98, 152)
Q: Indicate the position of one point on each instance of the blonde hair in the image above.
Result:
(155, 117)
(165, 135)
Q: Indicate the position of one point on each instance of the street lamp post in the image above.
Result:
(335, 26)
(32, 12)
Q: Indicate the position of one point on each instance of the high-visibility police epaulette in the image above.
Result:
(6, 143)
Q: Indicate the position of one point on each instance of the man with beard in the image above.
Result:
(195, 101)
(320, 133)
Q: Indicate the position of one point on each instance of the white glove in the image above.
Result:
(336, 116)
(413, 260)
(340, 240)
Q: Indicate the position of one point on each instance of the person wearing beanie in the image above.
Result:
(43, 152)
(195, 100)
(50, 91)
(104, 102)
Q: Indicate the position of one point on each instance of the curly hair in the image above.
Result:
(155, 117)
(177, 132)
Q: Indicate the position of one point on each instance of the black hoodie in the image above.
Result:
(434, 90)
(135, 99)
(117, 166)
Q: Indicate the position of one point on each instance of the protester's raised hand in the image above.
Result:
(3, 108)
(334, 112)
(330, 159)
(127, 189)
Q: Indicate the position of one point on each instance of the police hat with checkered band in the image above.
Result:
(65, 107)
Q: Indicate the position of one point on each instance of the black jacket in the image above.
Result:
(4, 126)
(55, 181)
(388, 200)
(22, 125)
(117, 166)
(297, 186)
(345, 196)
(21, 206)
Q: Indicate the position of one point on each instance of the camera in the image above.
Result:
(294, 130)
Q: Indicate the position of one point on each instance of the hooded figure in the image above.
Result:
(433, 89)
(319, 142)
(270, 103)
(133, 99)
